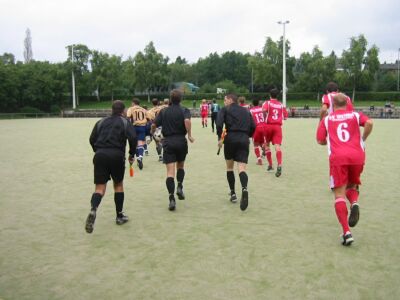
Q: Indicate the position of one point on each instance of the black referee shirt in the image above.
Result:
(172, 120)
(111, 133)
(237, 120)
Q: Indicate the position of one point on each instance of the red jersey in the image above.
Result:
(276, 113)
(328, 101)
(204, 108)
(244, 105)
(258, 115)
(341, 129)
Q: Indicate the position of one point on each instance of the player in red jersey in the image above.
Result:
(274, 113)
(259, 134)
(204, 112)
(327, 100)
(340, 130)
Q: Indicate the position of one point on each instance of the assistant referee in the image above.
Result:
(239, 126)
(176, 123)
(108, 140)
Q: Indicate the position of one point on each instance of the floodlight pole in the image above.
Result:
(73, 79)
(252, 84)
(398, 69)
(284, 63)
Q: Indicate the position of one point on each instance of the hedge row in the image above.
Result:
(360, 96)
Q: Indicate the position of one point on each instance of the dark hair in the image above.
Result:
(214, 101)
(332, 87)
(136, 101)
(256, 102)
(176, 96)
(118, 107)
(274, 93)
(154, 101)
(233, 97)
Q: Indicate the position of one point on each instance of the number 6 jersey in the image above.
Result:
(341, 130)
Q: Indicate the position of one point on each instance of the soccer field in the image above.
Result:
(284, 246)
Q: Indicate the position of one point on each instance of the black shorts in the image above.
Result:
(175, 149)
(110, 164)
(237, 149)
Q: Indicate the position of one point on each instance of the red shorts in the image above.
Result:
(273, 134)
(204, 115)
(344, 175)
(259, 135)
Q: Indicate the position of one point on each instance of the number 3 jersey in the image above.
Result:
(275, 111)
(341, 130)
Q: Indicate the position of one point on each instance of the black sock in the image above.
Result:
(170, 185)
(243, 179)
(180, 175)
(231, 180)
(158, 148)
(96, 199)
(119, 202)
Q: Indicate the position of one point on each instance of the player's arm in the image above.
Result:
(265, 110)
(324, 111)
(285, 113)
(367, 123)
(93, 137)
(132, 140)
(188, 125)
(220, 122)
(321, 133)
(157, 122)
(252, 125)
(129, 114)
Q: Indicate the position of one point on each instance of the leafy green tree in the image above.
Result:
(7, 58)
(106, 73)
(314, 71)
(267, 65)
(150, 70)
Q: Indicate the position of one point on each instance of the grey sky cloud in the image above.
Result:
(194, 29)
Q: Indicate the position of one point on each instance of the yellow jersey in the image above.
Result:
(153, 112)
(138, 115)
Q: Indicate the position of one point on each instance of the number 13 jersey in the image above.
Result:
(341, 129)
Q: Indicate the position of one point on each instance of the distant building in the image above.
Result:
(186, 87)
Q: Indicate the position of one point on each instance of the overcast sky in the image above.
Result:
(194, 29)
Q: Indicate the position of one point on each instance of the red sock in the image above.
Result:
(279, 157)
(341, 213)
(257, 151)
(352, 195)
(269, 157)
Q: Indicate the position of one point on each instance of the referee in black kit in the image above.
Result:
(239, 125)
(175, 122)
(108, 140)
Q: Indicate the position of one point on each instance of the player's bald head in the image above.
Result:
(340, 100)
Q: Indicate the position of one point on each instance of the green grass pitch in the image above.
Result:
(285, 246)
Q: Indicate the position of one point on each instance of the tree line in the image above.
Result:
(47, 86)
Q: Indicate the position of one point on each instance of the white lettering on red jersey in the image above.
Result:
(328, 101)
(204, 108)
(275, 112)
(258, 115)
(341, 130)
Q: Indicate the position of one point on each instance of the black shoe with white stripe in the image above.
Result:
(354, 214)
(121, 219)
(90, 221)
(244, 201)
(347, 239)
